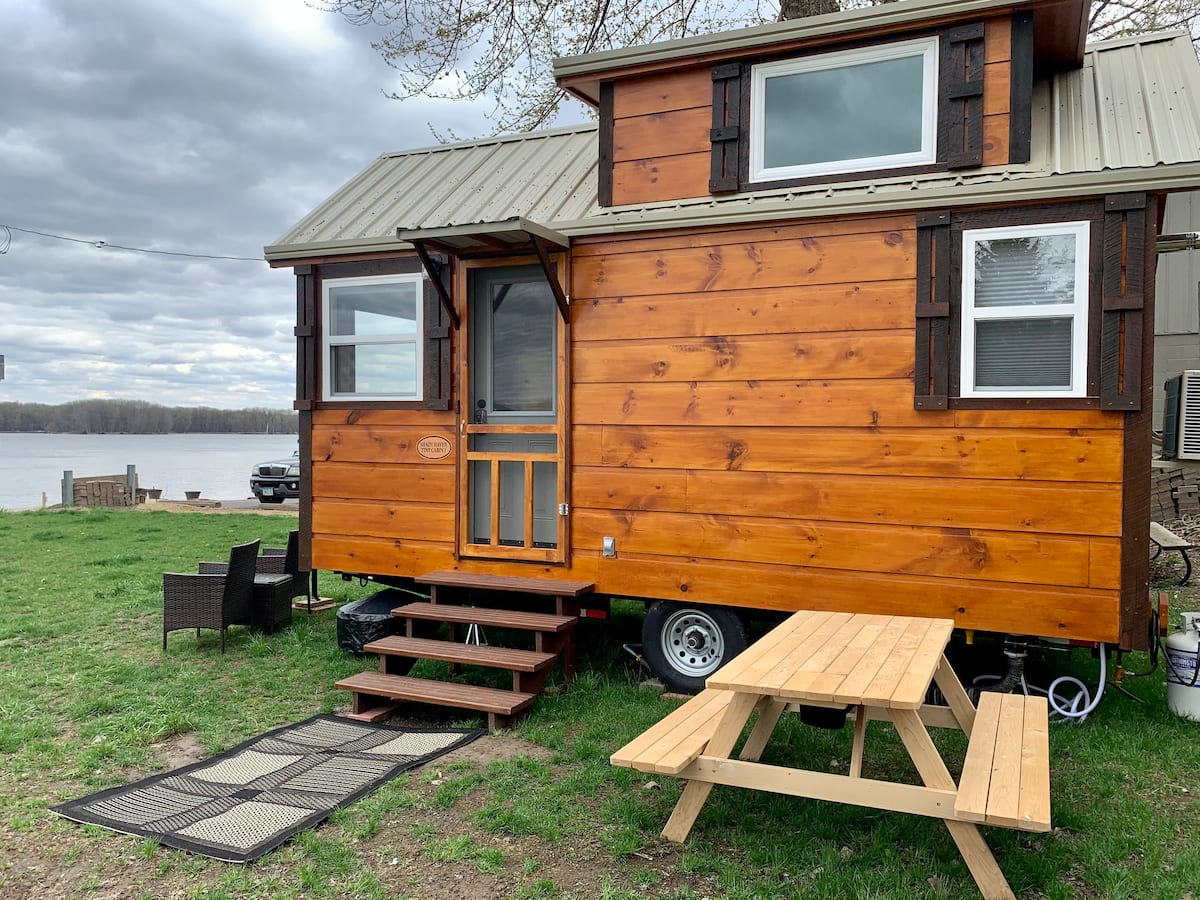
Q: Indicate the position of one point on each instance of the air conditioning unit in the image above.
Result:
(1181, 416)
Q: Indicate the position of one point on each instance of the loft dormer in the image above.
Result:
(893, 90)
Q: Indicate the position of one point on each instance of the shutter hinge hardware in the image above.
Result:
(563, 509)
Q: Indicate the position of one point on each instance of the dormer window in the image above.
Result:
(850, 111)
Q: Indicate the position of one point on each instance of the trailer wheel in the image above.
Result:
(684, 644)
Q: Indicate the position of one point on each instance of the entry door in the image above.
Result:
(514, 482)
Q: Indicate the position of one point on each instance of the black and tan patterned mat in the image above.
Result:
(249, 800)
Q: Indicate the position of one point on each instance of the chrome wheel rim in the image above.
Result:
(693, 643)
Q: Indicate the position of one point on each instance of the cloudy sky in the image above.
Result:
(207, 127)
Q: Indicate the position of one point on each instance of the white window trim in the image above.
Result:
(329, 341)
(1077, 310)
(928, 47)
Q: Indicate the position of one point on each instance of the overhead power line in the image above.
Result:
(6, 243)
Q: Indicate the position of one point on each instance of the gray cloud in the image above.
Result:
(209, 126)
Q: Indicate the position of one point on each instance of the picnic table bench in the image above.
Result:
(881, 667)
(1165, 539)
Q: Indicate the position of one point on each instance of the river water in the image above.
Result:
(217, 465)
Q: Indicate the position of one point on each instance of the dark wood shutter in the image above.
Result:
(306, 337)
(726, 134)
(960, 129)
(437, 345)
(931, 375)
(604, 170)
(1020, 102)
(1123, 300)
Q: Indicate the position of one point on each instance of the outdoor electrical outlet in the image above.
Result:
(610, 547)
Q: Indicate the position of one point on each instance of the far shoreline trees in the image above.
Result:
(139, 417)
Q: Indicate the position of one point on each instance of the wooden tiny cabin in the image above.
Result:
(852, 312)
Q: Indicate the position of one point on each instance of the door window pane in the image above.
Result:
(523, 347)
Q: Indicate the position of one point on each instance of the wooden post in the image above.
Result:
(131, 480)
(68, 488)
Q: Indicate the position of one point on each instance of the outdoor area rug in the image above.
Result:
(247, 801)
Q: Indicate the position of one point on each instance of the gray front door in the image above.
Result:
(513, 450)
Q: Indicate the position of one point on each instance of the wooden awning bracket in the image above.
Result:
(560, 296)
(434, 270)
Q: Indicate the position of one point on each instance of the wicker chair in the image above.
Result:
(211, 600)
(276, 581)
(286, 561)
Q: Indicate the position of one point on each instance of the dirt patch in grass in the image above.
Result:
(178, 750)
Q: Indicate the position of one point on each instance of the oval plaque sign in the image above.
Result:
(433, 447)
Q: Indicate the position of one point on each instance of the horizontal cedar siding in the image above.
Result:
(376, 502)
(756, 442)
(660, 137)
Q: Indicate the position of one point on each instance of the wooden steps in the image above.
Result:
(369, 687)
(479, 615)
(376, 694)
(566, 594)
(529, 667)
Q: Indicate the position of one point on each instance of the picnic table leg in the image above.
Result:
(860, 736)
(975, 852)
(956, 698)
(695, 793)
(1187, 572)
(768, 717)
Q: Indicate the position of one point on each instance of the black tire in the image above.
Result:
(684, 643)
(270, 499)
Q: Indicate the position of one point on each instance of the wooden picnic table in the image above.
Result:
(882, 667)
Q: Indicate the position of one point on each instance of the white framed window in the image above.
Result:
(373, 337)
(1025, 311)
(849, 111)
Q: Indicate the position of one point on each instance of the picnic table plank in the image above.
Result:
(1034, 805)
(879, 692)
(976, 775)
(1004, 793)
(784, 668)
(744, 668)
(849, 658)
(851, 689)
(914, 683)
(768, 657)
(695, 717)
(814, 675)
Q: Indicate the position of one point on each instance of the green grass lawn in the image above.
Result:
(89, 700)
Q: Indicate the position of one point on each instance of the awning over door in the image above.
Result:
(515, 234)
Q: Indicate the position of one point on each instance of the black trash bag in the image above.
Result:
(369, 619)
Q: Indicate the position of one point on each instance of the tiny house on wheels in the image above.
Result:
(851, 312)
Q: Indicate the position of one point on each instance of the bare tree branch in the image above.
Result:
(501, 50)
